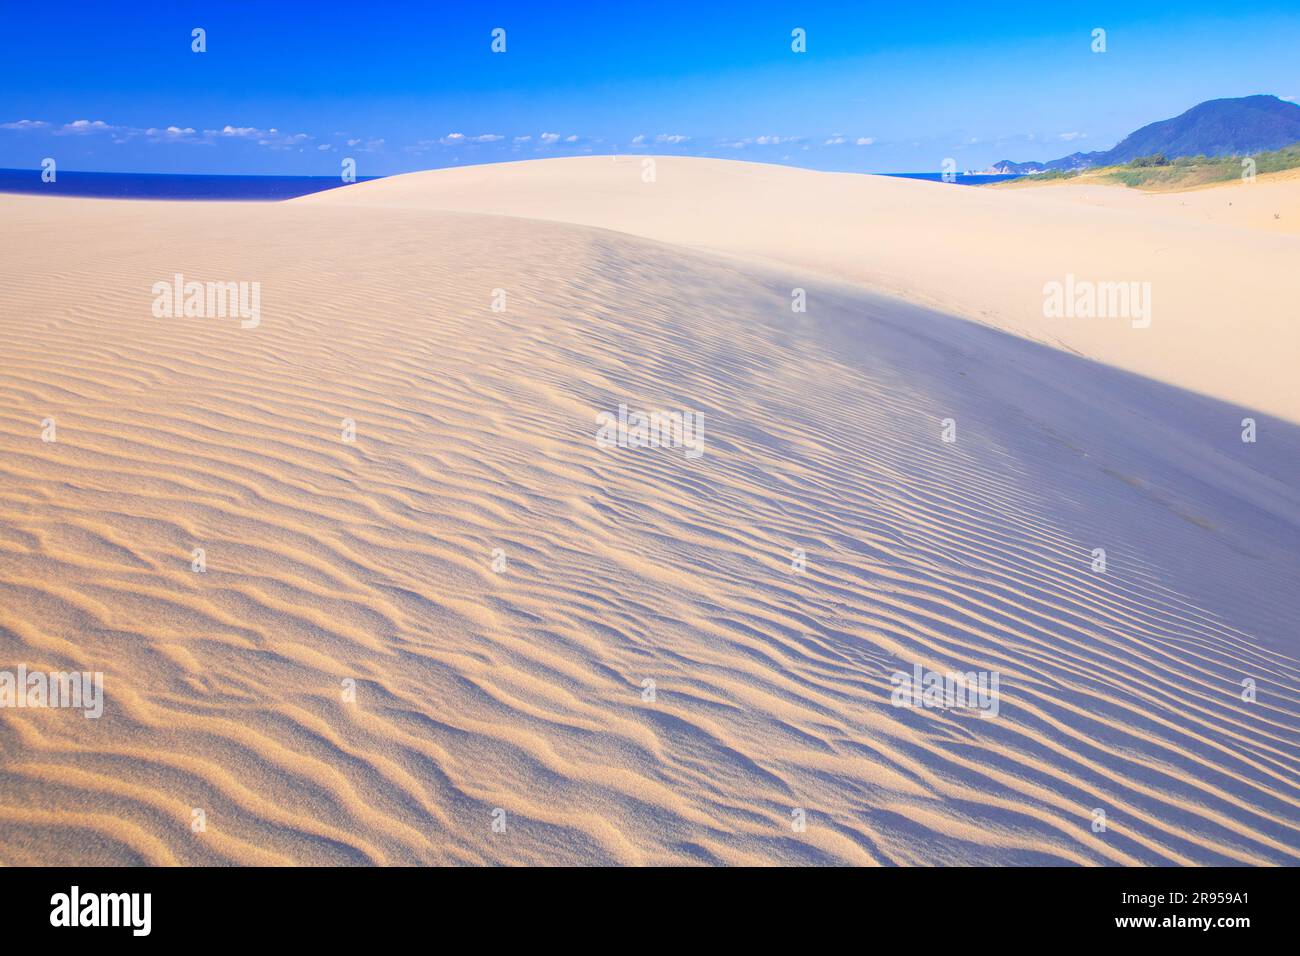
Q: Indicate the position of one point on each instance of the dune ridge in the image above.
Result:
(522, 690)
(1221, 293)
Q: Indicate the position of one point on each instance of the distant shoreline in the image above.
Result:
(175, 186)
(961, 179)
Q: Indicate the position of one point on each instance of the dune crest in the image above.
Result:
(1223, 298)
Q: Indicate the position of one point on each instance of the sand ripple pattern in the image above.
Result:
(523, 690)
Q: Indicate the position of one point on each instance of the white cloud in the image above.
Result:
(458, 139)
(836, 140)
(523, 139)
(549, 138)
(120, 134)
(638, 139)
(760, 141)
(172, 133)
(237, 131)
(274, 139)
(263, 137)
(671, 138)
(81, 127)
(1072, 136)
(864, 140)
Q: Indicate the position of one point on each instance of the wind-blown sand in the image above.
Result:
(372, 561)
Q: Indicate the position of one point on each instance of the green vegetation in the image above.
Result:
(1053, 174)
(1155, 159)
(1157, 172)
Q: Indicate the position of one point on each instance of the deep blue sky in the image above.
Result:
(403, 86)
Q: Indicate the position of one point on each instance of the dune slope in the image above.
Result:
(518, 694)
(1222, 299)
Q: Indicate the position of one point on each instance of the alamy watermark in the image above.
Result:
(77, 690)
(951, 690)
(651, 430)
(208, 300)
(1085, 299)
(130, 910)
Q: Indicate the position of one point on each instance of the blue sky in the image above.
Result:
(402, 86)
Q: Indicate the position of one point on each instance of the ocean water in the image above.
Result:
(167, 185)
(963, 179)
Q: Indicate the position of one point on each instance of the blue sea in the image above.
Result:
(167, 185)
(963, 179)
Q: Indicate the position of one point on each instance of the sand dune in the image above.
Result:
(522, 690)
(1269, 204)
(1222, 301)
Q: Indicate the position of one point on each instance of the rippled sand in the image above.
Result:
(522, 690)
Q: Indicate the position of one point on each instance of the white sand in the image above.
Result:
(1224, 319)
(1269, 204)
(523, 690)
